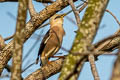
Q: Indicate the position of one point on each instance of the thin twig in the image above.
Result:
(96, 53)
(84, 5)
(44, 25)
(106, 39)
(31, 9)
(113, 16)
(91, 59)
(28, 67)
(11, 16)
(76, 7)
(85, 1)
(70, 18)
(10, 37)
(76, 12)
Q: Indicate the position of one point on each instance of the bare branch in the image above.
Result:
(84, 5)
(93, 66)
(95, 53)
(28, 67)
(76, 13)
(31, 9)
(2, 43)
(46, 71)
(109, 43)
(113, 16)
(18, 40)
(10, 37)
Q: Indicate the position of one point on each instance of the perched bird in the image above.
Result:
(52, 41)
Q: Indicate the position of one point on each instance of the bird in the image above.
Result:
(52, 40)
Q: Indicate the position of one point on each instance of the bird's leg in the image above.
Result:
(37, 60)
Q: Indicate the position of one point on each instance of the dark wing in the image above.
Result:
(42, 46)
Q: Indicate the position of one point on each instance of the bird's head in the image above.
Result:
(57, 19)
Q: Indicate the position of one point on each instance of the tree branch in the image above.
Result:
(113, 16)
(46, 71)
(18, 40)
(93, 66)
(85, 35)
(31, 9)
(76, 12)
(2, 43)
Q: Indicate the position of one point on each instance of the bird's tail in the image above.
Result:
(37, 60)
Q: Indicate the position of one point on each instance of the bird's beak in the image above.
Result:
(63, 15)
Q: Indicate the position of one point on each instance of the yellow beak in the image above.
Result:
(63, 15)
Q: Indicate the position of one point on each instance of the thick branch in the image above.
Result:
(18, 41)
(2, 43)
(46, 71)
(85, 35)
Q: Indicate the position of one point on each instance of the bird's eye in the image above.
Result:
(57, 17)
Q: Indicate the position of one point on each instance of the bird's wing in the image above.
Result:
(52, 44)
(43, 43)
